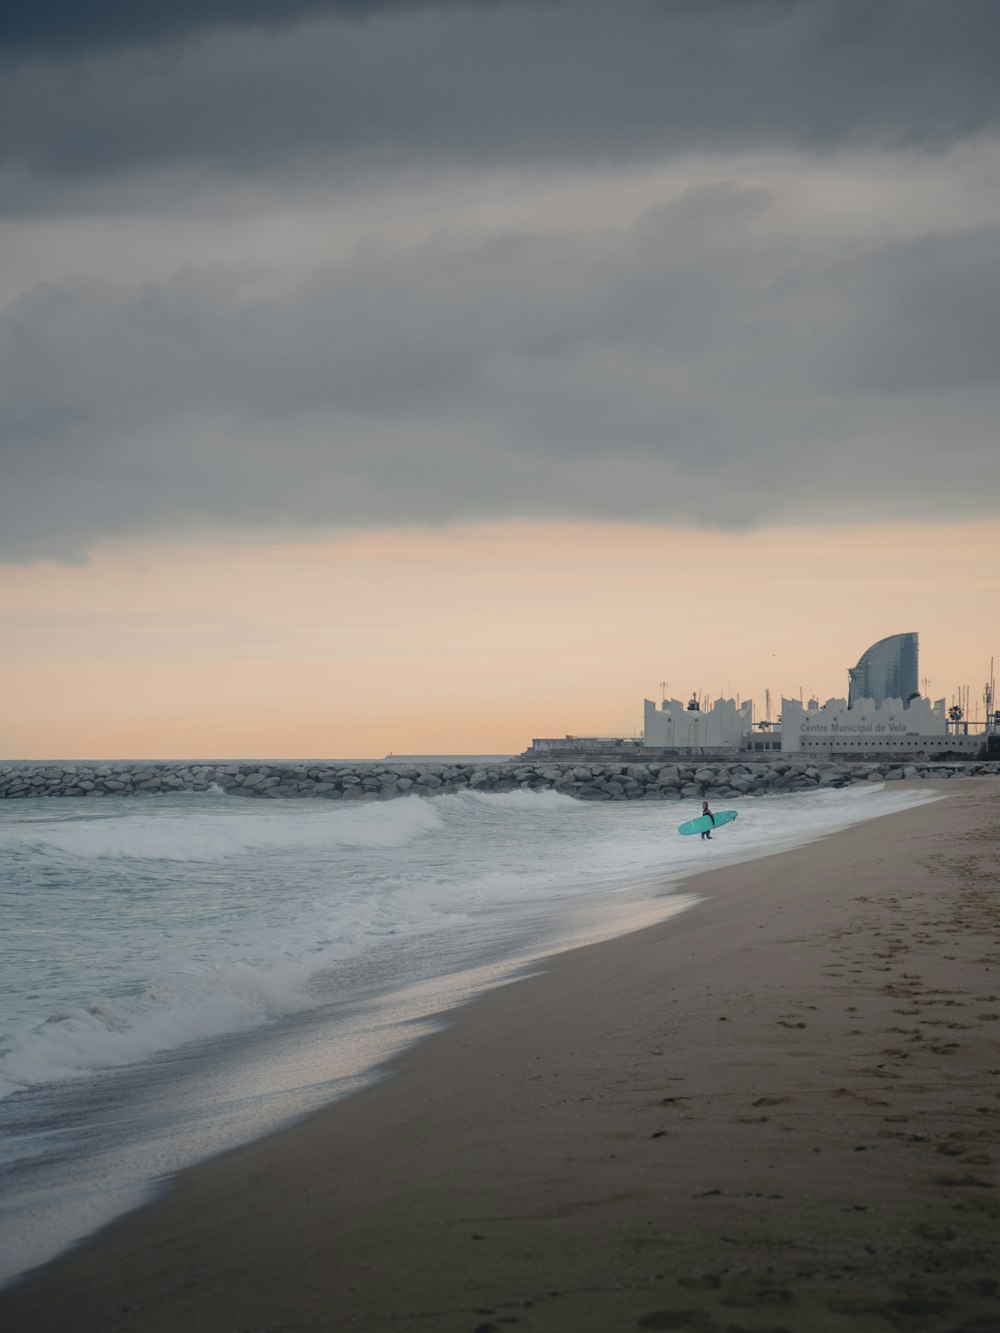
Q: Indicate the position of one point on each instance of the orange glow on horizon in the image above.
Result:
(467, 640)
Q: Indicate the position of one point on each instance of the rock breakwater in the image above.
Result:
(384, 780)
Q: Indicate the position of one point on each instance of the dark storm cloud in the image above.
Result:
(934, 314)
(501, 82)
(697, 366)
(711, 363)
(60, 27)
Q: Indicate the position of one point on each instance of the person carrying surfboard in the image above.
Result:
(706, 813)
(706, 822)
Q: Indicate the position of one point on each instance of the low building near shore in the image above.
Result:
(670, 731)
(911, 727)
(679, 726)
(584, 747)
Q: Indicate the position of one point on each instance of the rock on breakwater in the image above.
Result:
(383, 780)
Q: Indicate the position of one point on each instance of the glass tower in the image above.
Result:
(888, 670)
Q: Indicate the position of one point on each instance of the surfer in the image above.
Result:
(706, 812)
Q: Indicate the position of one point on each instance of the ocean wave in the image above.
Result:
(137, 832)
(180, 835)
(171, 1011)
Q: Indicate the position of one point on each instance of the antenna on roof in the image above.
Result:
(988, 697)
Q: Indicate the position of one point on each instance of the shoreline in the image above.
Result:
(563, 1154)
(306, 1062)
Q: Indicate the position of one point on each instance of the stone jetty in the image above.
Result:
(383, 780)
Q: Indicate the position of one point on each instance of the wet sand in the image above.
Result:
(778, 1111)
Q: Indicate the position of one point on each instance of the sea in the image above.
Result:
(180, 974)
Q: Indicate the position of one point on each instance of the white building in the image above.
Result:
(678, 726)
(913, 727)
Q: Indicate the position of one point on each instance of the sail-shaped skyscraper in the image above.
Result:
(888, 670)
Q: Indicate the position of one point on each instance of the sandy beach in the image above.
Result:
(777, 1111)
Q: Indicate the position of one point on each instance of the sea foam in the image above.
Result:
(138, 928)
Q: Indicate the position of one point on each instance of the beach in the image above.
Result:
(776, 1111)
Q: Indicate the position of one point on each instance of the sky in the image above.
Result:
(392, 376)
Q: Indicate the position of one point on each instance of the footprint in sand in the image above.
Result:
(847, 1093)
(928, 1231)
(697, 1321)
(746, 1291)
(701, 1282)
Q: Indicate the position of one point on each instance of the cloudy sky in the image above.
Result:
(389, 375)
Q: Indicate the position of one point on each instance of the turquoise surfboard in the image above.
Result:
(702, 824)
